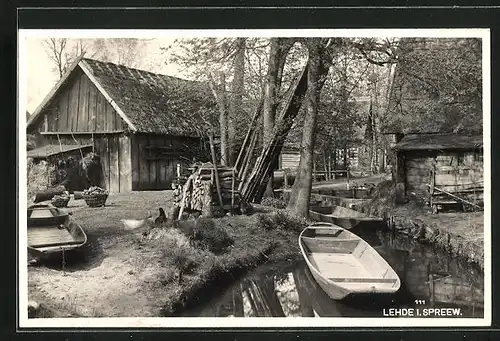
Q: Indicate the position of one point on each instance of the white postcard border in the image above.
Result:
(210, 322)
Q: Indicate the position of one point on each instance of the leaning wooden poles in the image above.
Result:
(216, 173)
(254, 186)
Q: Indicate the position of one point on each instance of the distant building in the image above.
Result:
(289, 158)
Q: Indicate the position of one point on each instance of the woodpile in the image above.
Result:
(202, 188)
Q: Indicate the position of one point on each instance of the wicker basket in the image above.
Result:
(95, 199)
(60, 202)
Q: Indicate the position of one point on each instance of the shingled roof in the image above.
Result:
(439, 142)
(156, 103)
(149, 102)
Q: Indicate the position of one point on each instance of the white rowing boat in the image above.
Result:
(342, 263)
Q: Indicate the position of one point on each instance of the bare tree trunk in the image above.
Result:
(301, 192)
(276, 64)
(235, 109)
(335, 160)
(219, 93)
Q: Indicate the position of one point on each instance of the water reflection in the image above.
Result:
(289, 289)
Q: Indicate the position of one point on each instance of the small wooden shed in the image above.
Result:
(141, 124)
(289, 158)
(449, 162)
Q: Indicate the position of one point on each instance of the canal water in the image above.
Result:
(430, 279)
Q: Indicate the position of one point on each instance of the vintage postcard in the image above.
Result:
(254, 178)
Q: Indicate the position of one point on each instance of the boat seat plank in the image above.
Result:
(50, 236)
(364, 280)
(329, 239)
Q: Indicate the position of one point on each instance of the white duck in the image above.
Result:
(132, 224)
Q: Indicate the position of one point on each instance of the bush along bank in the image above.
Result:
(200, 257)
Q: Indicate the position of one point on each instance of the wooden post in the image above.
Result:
(232, 193)
(347, 175)
(330, 166)
(325, 167)
(314, 169)
(285, 179)
(216, 173)
(431, 187)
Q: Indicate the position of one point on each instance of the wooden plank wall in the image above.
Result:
(454, 176)
(289, 160)
(449, 174)
(150, 172)
(418, 171)
(79, 106)
(114, 150)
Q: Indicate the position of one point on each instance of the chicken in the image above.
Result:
(132, 224)
(162, 218)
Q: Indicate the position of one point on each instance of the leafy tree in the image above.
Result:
(240, 62)
(277, 57)
(437, 86)
(318, 67)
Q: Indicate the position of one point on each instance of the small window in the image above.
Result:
(460, 159)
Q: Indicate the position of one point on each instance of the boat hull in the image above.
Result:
(333, 291)
(349, 220)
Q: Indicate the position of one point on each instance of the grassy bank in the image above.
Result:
(459, 233)
(156, 270)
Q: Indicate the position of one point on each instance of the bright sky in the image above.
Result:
(42, 75)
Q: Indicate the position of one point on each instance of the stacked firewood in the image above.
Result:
(203, 192)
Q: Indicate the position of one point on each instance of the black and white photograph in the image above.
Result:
(254, 178)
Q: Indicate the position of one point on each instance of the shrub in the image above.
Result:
(282, 220)
(205, 235)
(274, 202)
(40, 176)
(264, 221)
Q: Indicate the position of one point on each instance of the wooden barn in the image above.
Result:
(141, 124)
(445, 165)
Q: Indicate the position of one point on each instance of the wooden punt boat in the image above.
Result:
(52, 230)
(343, 263)
(343, 217)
